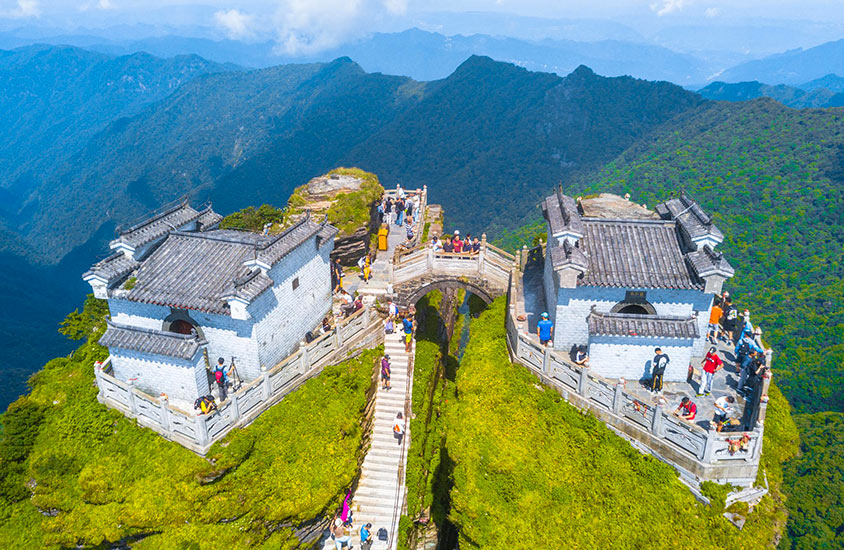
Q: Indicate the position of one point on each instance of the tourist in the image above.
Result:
(436, 244)
(386, 370)
(745, 327)
(744, 366)
(545, 329)
(658, 366)
(338, 275)
(388, 211)
(730, 318)
(476, 246)
(366, 537)
(711, 364)
(205, 404)
(407, 325)
(723, 410)
(326, 326)
(581, 357)
(714, 323)
(409, 229)
(381, 211)
(365, 269)
(398, 427)
(338, 533)
(448, 246)
(408, 208)
(687, 409)
(457, 243)
(389, 326)
(400, 193)
(467, 244)
(392, 309)
(222, 378)
(400, 212)
(358, 303)
(348, 305)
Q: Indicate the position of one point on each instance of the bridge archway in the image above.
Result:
(409, 294)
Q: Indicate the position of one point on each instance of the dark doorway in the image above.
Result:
(634, 309)
(181, 326)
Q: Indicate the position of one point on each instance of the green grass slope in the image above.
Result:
(73, 472)
(531, 469)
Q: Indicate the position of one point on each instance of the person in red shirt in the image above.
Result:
(458, 244)
(711, 364)
(687, 410)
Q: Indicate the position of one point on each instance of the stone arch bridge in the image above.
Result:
(485, 274)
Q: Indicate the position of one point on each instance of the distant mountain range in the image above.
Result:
(787, 95)
(792, 67)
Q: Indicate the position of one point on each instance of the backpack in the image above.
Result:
(382, 534)
(744, 349)
(218, 376)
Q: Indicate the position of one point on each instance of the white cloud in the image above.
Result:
(309, 26)
(24, 8)
(105, 4)
(712, 12)
(236, 23)
(665, 7)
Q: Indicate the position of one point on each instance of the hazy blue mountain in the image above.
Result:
(56, 98)
(787, 95)
(831, 82)
(425, 55)
(792, 67)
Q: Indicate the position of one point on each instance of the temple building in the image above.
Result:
(624, 280)
(182, 292)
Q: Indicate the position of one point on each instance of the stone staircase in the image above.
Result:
(380, 494)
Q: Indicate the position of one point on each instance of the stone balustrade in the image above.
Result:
(698, 455)
(198, 432)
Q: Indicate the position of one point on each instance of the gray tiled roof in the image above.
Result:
(157, 342)
(634, 254)
(569, 256)
(693, 221)
(562, 214)
(112, 268)
(623, 324)
(706, 261)
(208, 219)
(199, 270)
(159, 225)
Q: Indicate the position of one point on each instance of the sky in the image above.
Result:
(305, 26)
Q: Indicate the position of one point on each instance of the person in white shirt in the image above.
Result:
(398, 427)
(436, 244)
(723, 410)
(400, 192)
(392, 309)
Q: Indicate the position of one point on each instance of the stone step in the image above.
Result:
(381, 454)
(386, 499)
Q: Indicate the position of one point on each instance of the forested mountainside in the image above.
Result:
(55, 99)
(249, 137)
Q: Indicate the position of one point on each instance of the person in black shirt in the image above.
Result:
(388, 210)
(730, 318)
(658, 366)
(447, 246)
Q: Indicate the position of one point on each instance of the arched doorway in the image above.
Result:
(635, 308)
(180, 326)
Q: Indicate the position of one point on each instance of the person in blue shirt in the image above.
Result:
(365, 536)
(407, 326)
(545, 329)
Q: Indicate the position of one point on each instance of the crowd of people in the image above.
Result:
(735, 331)
(454, 244)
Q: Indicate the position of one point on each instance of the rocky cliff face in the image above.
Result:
(351, 195)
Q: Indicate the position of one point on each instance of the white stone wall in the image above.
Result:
(178, 378)
(136, 314)
(550, 281)
(283, 315)
(229, 338)
(574, 305)
(630, 357)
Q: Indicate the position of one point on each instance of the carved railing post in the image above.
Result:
(265, 383)
(338, 338)
(201, 430)
(618, 397)
(304, 357)
(165, 413)
(709, 447)
(482, 255)
(656, 428)
(546, 361)
(235, 408)
(523, 257)
(133, 406)
(583, 383)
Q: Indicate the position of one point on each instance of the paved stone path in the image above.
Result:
(380, 492)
